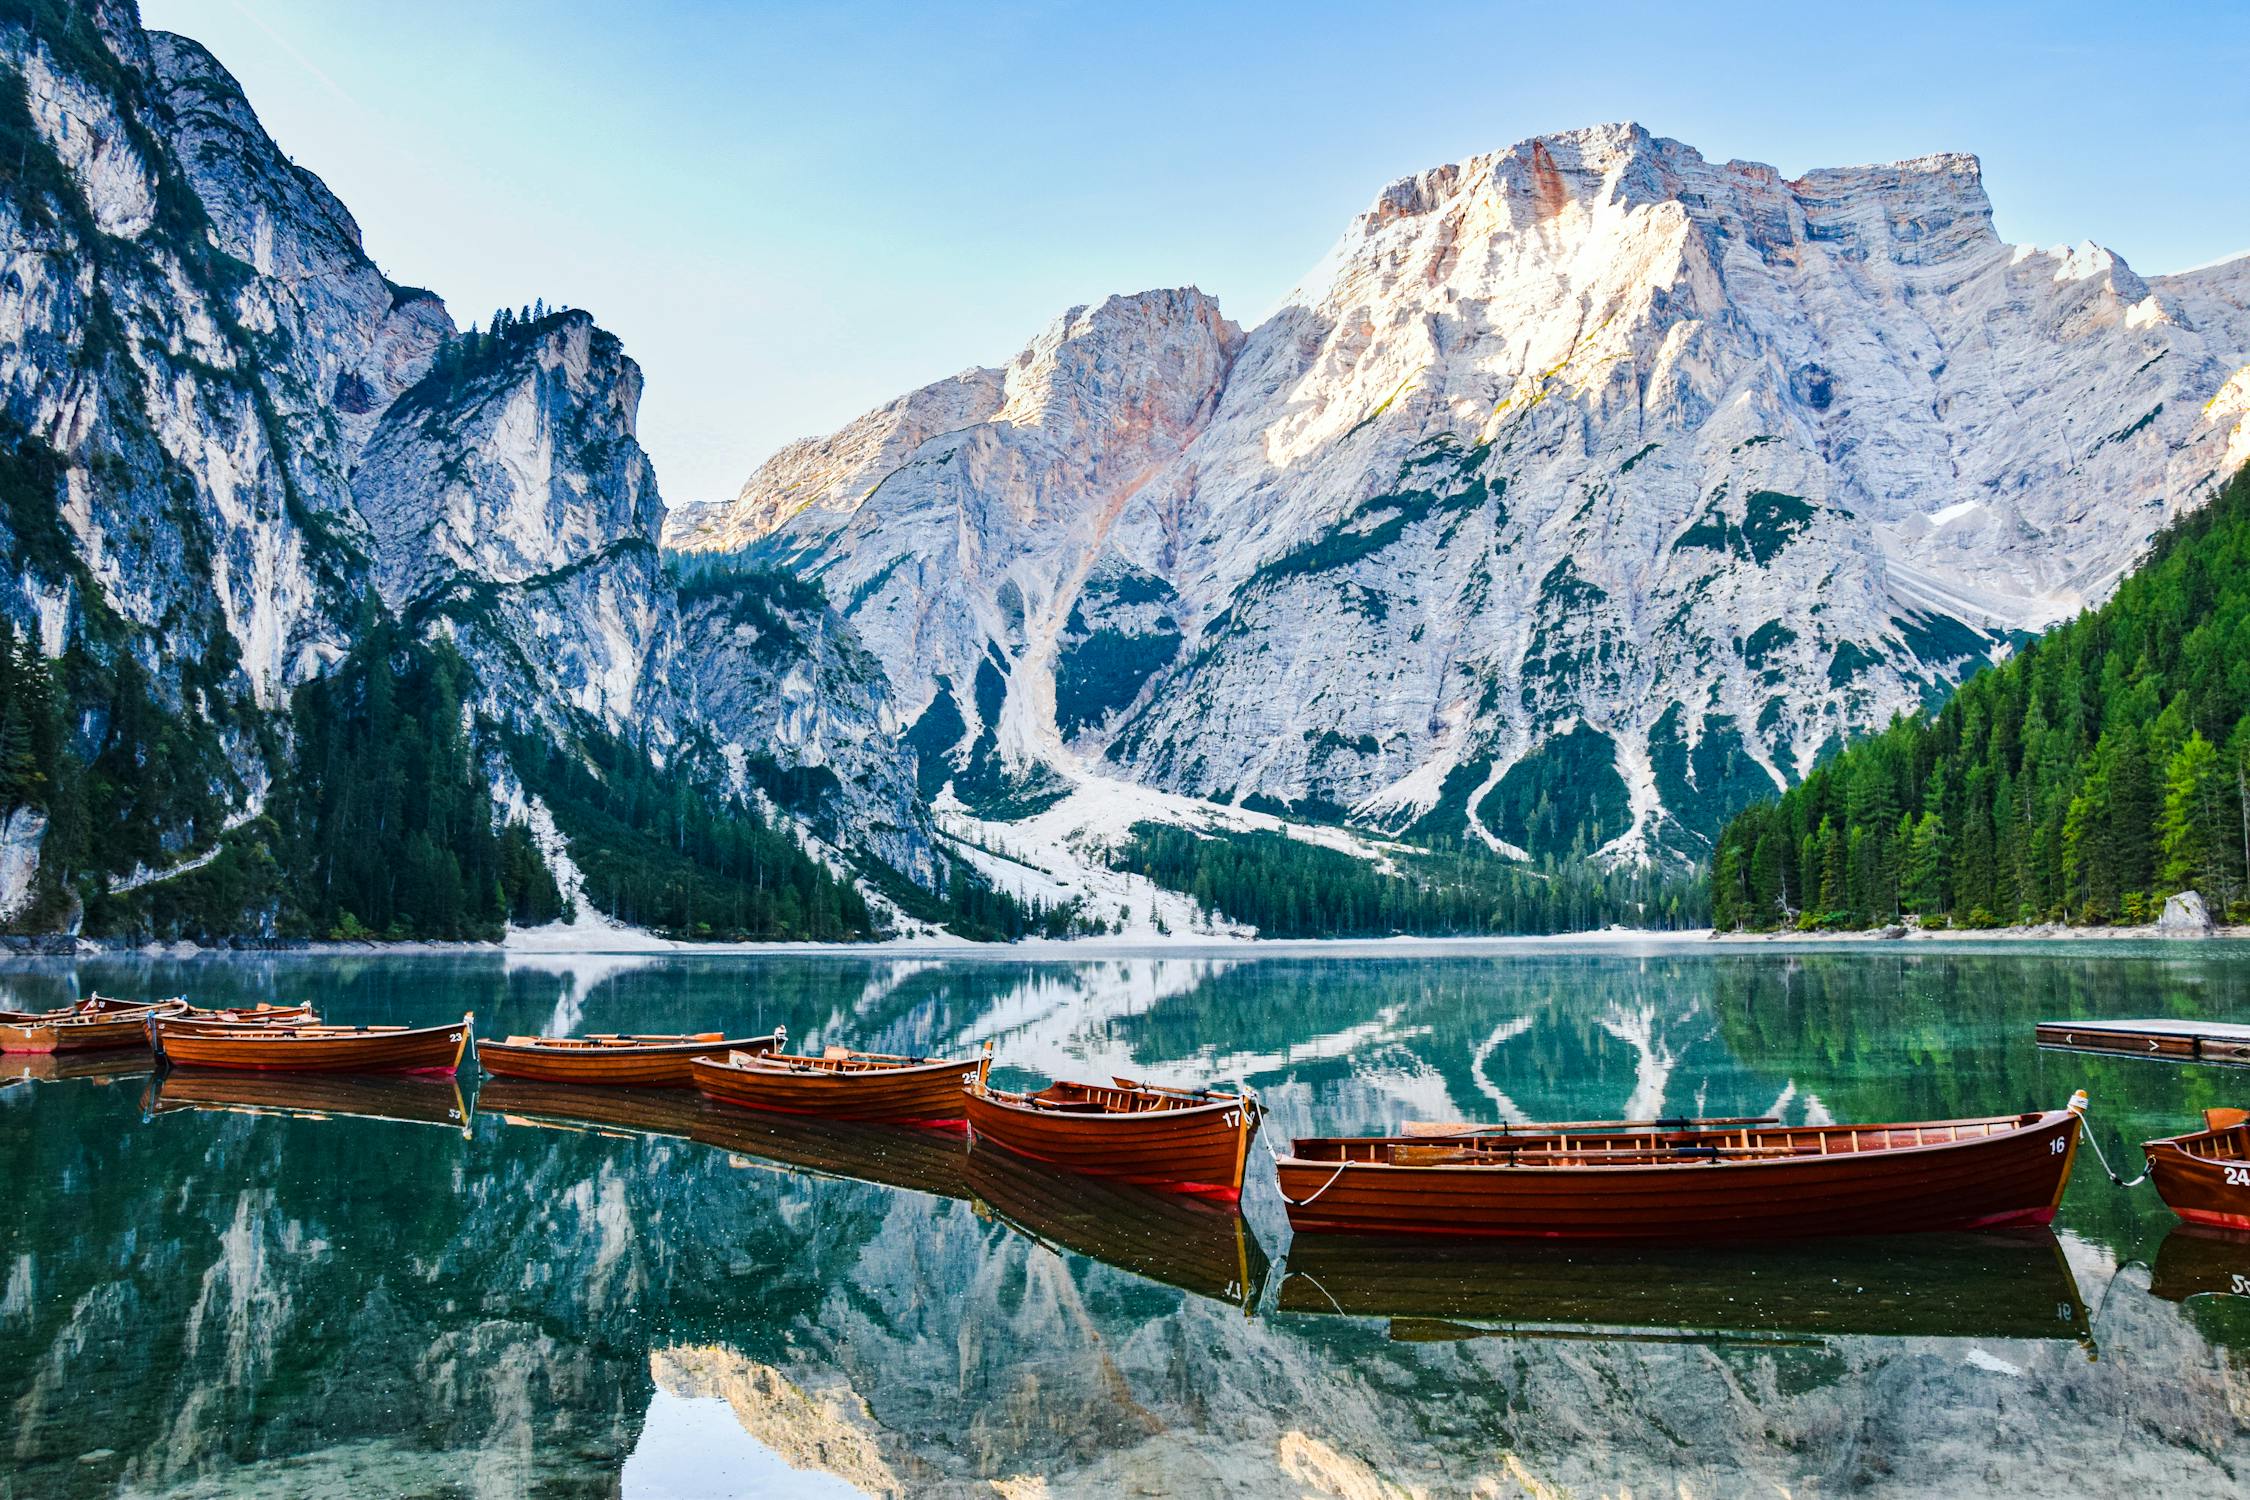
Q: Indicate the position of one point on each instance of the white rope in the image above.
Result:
(1266, 1140)
(2095, 1142)
(1324, 1187)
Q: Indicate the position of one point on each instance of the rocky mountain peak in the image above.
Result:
(1583, 489)
(1132, 367)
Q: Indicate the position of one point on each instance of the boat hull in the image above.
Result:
(108, 1031)
(927, 1094)
(423, 1049)
(2010, 1181)
(2200, 1187)
(662, 1066)
(1200, 1150)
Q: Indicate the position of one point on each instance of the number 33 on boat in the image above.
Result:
(1686, 1179)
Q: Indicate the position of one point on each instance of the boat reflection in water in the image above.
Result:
(581, 1106)
(62, 1067)
(2198, 1259)
(899, 1156)
(410, 1099)
(2012, 1285)
(1178, 1239)
(923, 1161)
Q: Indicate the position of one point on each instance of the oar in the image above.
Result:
(1158, 1088)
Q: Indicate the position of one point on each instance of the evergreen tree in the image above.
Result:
(1923, 887)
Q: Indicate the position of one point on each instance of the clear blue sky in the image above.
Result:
(793, 212)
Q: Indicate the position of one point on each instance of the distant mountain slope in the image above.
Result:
(1585, 492)
(2104, 768)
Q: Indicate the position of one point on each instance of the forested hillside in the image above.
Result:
(2104, 768)
(1292, 888)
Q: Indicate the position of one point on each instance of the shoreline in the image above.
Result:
(533, 945)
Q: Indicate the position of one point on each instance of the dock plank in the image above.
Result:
(2159, 1037)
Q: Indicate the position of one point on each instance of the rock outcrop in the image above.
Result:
(2185, 915)
(230, 439)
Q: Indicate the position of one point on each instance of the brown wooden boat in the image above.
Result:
(608, 1058)
(2204, 1176)
(844, 1085)
(317, 1049)
(95, 1004)
(1178, 1239)
(1704, 1179)
(408, 1099)
(93, 1031)
(1183, 1140)
(2012, 1284)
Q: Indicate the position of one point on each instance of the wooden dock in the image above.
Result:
(2172, 1041)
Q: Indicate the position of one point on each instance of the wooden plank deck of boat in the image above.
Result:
(2173, 1041)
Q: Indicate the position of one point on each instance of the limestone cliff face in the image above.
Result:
(230, 434)
(1587, 473)
(958, 527)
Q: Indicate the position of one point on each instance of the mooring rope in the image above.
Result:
(1324, 1187)
(2095, 1142)
(1266, 1140)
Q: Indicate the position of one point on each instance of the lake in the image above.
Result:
(285, 1287)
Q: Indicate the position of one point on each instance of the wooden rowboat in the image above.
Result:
(844, 1085)
(96, 1004)
(91, 1032)
(2204, 1175)
(607, 1058)
(2011, 1284)
(1183, 1140)
(317, 1049)
(1703, 1180)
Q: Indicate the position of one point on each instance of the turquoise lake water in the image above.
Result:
(402, 1288)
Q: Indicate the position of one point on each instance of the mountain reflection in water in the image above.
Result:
(299, 1287)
